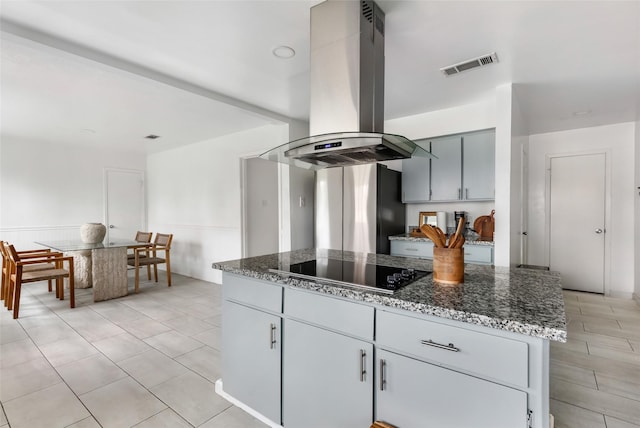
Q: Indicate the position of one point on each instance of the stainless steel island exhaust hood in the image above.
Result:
(347, 92)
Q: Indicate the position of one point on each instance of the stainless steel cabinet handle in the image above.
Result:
(449, 347)
(272, 336)
(383, 382)
(459, 193)
(363, 365)
(412, 249)
(466, 193)
(598, 231)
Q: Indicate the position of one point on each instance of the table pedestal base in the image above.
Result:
(109, 266)
(82, 275)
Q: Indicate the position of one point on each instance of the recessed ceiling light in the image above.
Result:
(284, 52)
(152, 136)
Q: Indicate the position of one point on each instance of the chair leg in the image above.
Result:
(137, 275)
(9, 296)
(168, 271)
(72, 289)
(149, 272)
(155, 271)
(49, 284)
(16, 300)
(60, 288)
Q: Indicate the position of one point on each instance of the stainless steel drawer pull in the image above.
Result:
(449, 347)
(412, 249)
(272, 336)
(363, 365)
(383, 382)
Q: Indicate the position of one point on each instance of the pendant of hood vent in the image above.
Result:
(344, 149)
(347, 92)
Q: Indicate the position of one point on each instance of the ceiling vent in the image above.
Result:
(469, 64)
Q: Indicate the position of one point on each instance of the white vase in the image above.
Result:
(92, 233)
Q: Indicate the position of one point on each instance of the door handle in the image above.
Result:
(598, 231)
(363, 365)
(383, 381)
(272, 336)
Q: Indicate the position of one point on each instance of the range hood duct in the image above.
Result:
(347, 92)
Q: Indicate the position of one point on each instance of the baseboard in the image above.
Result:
(259, 416)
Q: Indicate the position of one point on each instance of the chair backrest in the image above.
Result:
(143, 236)
(12, 253)
(163, 240)
(4, 250)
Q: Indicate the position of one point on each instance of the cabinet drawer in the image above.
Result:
(346, 317)
(481, 254)
(253, 292)
(421, 249)
(487, 355)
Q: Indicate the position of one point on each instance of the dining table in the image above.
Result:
(102, 266)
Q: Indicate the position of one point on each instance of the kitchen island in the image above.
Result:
(303, 352)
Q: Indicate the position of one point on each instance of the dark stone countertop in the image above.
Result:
(524, 301)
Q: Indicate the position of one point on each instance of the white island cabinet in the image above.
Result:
(251, 343)
(302, 358)
(307, 352)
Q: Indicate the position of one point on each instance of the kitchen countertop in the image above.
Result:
(523, 301)
(408, 237)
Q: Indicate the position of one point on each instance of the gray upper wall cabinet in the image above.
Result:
(464, 170)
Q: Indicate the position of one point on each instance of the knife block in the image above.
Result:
(448, 265)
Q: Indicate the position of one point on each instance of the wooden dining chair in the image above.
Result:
(26, 254)
(144, 238)
(19, 276)
(148, 256)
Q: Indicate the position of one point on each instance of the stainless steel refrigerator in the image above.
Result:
(358, 207)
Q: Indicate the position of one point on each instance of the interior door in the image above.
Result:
(125, 204)
(577, 220)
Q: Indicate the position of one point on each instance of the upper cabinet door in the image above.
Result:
(416, 185)
(478, 165)
(446, 170)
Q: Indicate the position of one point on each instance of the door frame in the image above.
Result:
(607, 207)
(139, 172)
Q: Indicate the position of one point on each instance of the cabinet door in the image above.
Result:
(251, 355)
(478, 254)
(478, 165)
(446, 171)
(328, 379)
(419, 249)
(415, 180)
(412, 393)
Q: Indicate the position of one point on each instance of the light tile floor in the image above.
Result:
(146, 360)
(150, 360)
(595, 376)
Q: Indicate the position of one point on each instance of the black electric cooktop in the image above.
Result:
(385, 279)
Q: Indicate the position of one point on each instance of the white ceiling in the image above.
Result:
(111, 72)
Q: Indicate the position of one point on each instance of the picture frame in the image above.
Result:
(427, 217)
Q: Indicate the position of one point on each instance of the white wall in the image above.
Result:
(296, 219)
(48, 190)
(194, 192)
(519, 147)
(637, 211)
(618, 141)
